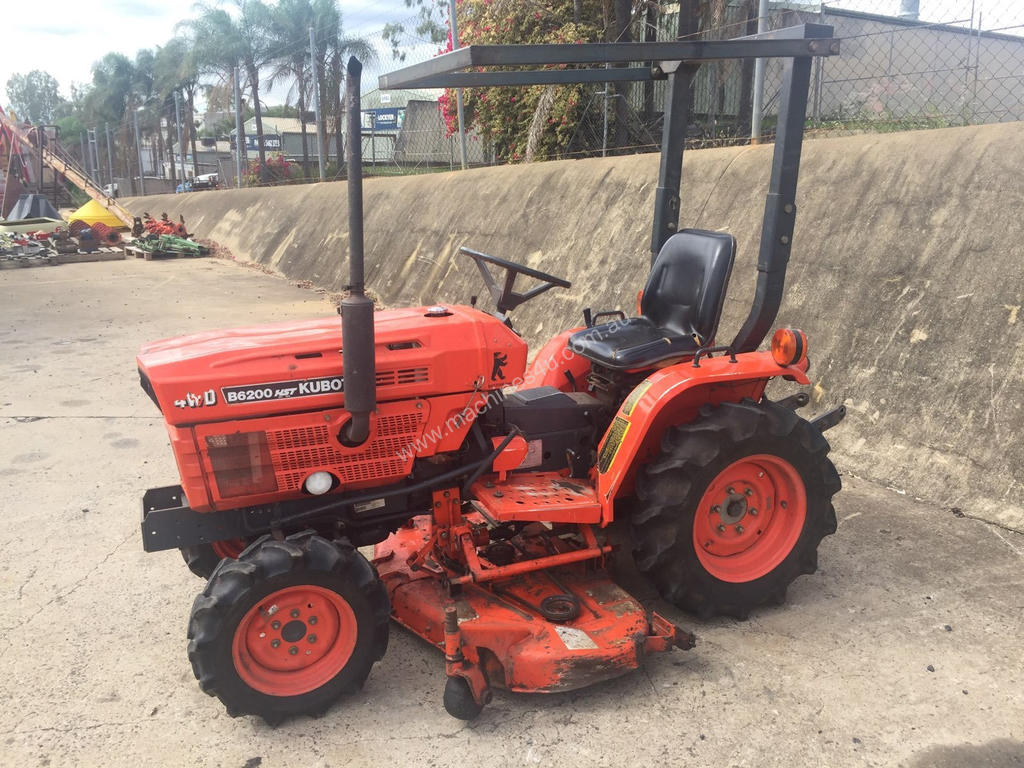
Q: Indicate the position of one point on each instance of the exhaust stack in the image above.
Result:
(356, 309)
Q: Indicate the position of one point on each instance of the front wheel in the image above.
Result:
(288, 628)
(734, 507)
(201, 559)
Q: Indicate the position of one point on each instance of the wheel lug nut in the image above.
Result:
(721, 529)
(749, 492)
(716, 509)
(312, 638)
(739, 529)
(312, 619)
(730, 490)
(293, 650)
(295, 613)
(275, 643)
(275, 625)
(782, 504)
(752, 512)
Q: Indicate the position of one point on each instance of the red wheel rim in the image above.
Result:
(294, 641)
(749, 518)
(229, 548)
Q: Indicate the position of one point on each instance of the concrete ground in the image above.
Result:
(904, 649)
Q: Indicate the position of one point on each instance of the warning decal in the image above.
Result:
(616, 434)
(634, 397)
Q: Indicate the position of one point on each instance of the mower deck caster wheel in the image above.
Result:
(459, 701)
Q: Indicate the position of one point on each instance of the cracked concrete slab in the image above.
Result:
(904, 649)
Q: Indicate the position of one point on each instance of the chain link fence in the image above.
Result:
(905, 64)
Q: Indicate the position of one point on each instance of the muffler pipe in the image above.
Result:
(357, 353)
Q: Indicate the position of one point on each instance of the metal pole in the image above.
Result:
(239, 133)
(94, 159)
(910, 9)
(85, 157)
(604, 118)
(138, 151)
(458, 91)
(316, 107)
(41, 139)
(181, 145)
(758, 106)
(110, 161)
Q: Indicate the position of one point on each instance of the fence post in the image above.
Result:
(181, 145)
(239, 133)
(458, 91)
(138, 151)
(316, 107)
(758, 106)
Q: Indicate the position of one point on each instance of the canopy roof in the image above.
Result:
(93, 212)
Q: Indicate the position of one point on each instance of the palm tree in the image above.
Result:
(175, 68)
(223, 41)
(333, 49)
(289, 39)
(111, 95)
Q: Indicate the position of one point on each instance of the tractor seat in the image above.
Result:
(680, 308)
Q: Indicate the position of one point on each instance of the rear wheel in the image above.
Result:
(734, 507)
(201, 559)
(288, 628)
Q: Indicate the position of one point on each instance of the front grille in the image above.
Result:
(297, 452)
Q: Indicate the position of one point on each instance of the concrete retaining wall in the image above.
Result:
(907, 273)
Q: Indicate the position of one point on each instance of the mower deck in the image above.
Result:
(506, 632)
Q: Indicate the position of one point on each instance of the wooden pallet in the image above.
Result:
(20, 261)
(104, 253)
(140, 253)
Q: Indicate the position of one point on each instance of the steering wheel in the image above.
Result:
(506, 298)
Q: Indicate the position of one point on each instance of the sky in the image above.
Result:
(65, 37)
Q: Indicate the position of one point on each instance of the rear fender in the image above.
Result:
(671, 396)
(558, 366)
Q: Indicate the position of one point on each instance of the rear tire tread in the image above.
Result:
(669, 487)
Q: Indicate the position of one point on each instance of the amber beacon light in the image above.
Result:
(789, 346)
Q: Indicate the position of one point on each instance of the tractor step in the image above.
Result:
(530, 496)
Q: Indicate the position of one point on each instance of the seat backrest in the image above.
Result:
(686, 289)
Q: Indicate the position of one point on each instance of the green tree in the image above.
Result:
(334, 47)
(539, 121)
(175, 68)
(290, 41)
(223, 41)
(431, 24)
(35, 96)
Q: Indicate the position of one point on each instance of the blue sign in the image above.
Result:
(385, 119)
(271, 141)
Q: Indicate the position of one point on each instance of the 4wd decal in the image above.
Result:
(192, 400)
(283, 390)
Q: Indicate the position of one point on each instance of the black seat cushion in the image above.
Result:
(634, 343)
(680, 308)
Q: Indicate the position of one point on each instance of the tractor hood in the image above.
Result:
(283, 367)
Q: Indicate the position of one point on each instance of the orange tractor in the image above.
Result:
(484, 484)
